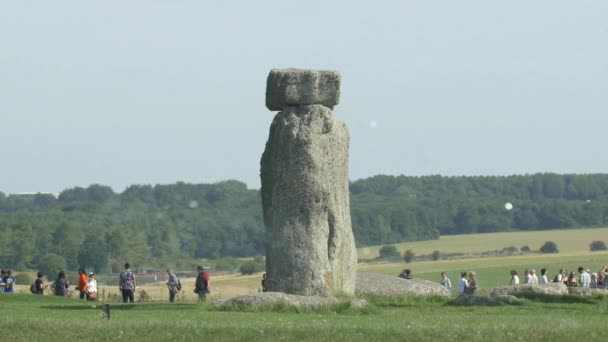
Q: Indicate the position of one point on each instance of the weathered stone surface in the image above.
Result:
(386, 285)
(466, 300)
(310, 248)
(295, 87)
(276, 299)
(273, 299)
(581, 291)
(557, 289)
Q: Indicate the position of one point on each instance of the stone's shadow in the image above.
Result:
(537, 297)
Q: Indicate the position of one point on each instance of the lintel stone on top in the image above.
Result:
(300, 87)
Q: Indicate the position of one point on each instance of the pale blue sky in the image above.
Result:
(147, 92)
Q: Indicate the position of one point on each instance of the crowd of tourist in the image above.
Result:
(87, 284)
(583, 279)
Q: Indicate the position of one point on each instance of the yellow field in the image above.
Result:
(568, 241)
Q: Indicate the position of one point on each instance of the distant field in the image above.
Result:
(568, 241)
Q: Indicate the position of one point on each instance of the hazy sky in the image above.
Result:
(146, 92)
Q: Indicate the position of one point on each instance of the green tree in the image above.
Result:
(389, 253)
(408, 256)
(549, 247)
(597, 246)
(50, 264)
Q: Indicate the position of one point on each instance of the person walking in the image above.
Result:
(61, 286)
(92, 287)
(514, 278)
(201, 285)
(172, 284)
(9, 282)
(127, 284)
(472, 285)
(445, 281)
(585, 277)
(83, 283)
(39, 284)
(462, 282)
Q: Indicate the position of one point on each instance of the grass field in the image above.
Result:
(568, 241)
(36, 318)
(47, 318)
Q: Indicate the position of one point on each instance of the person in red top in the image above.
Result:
(201, 285)
(83, 282)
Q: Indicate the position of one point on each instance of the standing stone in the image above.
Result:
(310, 248)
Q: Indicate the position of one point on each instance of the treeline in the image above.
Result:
(462, 205)
(174, 225)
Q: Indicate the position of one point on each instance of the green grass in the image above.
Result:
(35, 318)
(568, 241)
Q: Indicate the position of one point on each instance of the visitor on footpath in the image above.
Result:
(92, 287)
(462, 282)
(572, 280)
(593, 283)
(172, 284)
(585, 277)
(83, 283)
(472, 284)
(127, 284)
(264, 282)
(2, 280)
(406, 274)
(39, 284)
(514, 278)
(543, 277)
(201, 285)
(528, 277)
(61, 286)
(603, 278)
(445, 281)
(9, 282)
(565, 277)
(534, 277)
(558, 277)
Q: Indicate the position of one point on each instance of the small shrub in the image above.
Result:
(549, 247)
(24, 278)
(143, 296)
(436, 255)
(510, 249)
(597, 246)
(408, 256)
(389, 253)
(525, 248)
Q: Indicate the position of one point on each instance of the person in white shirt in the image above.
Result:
(92, 287)
(585, 277)
(534, 277)
(528, 277)
(543, 276)
(462, 282)
(445, 281)
(514, 278)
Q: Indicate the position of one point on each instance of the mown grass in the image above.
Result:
(568, 241)
(37, 318)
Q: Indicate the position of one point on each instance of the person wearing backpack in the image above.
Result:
(127, 284)
(173, 284)
(61, 285)
(39, 284)
(201, 285)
